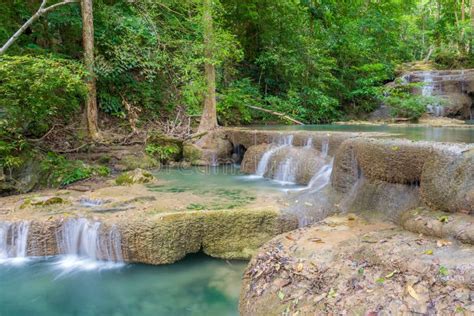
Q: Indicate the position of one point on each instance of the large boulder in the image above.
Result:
(287, 163)
(252, 157)
(441, 174)
(447, 181)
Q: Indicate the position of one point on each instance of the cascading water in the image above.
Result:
(286, 172)
(80, 237)
(280, 143)
(87, 246)
(325, 147)
(427, 91)
(13, 241)
(309, 143)
(322, 178)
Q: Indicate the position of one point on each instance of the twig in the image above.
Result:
(275, 113)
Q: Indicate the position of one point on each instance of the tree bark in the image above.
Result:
(88, 46)
(209, 114)
(41, 11)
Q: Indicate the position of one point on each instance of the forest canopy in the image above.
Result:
(315, 60)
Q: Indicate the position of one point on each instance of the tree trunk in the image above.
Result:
(88, 45)
(209, 113)
(41, 11)
(472, 26)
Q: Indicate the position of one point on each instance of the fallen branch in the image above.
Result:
(275, 113)
(41, 11)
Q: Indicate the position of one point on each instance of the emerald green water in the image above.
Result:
(198, 285)
(438, 134)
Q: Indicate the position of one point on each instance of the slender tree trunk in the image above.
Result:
(209, 114)
(41, 11)
(472, 26)
(88, 45)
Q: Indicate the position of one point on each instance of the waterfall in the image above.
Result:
(13, 241)
(325, 147)
(322, 178)
(82, 238)
(280, 143)
(427, 91)
(309, 143)
(286, 171)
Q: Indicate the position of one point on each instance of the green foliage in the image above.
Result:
(231, 108)
(58, 171)
(405, 104)
(163, 153)
(35, 90)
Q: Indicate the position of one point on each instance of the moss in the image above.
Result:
(191, 153)
(133, 177)
(164, 147)
(235, 234)
(49, 201)
(131, 162)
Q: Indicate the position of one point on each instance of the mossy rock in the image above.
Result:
(192, 153)
(134, 177)
(173, 147)
(45, 201)
(131, 162)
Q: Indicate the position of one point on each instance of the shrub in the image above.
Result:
(35, 92)
(58, 171)
(36, 89)
(232, 106)
(163, 153)
(405, 104)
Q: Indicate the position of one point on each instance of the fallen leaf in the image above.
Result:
(428, 252)
(412, 292)
(442, 243)
(380, 280)
(443, 219)
(299, 267)
(317, 240)
(443, 271)
(281, 295)
(391, 274)
(331, 293)
(289, 237)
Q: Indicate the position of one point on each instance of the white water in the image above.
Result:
(263, 163)
(309, 143)
(325, 147)
(83, 238)
(322, 178)
(427, 91)
(286, 172)
(87, 246)
(13, 242)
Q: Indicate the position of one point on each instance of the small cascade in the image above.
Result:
(214, 161)
(286, 172)
(309, 143)
(322, 178)
(427, 91)
(13, 241)
(280, 143)
(82, 238)
(325, 147)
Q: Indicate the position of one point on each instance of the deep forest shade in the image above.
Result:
(316, 61)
